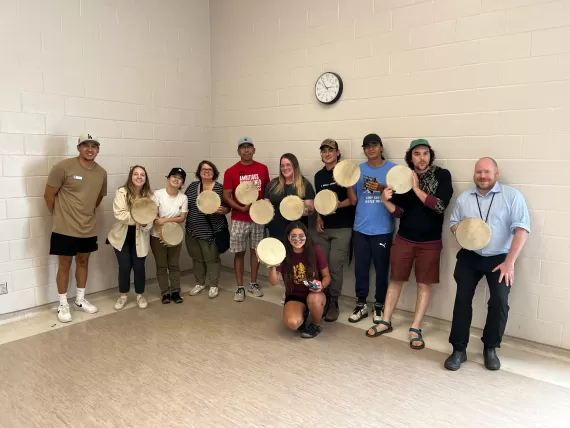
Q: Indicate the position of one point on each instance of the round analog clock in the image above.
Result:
(328, 88)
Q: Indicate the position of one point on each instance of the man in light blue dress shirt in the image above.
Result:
(504, 209)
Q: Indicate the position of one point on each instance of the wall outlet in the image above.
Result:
(3, 288)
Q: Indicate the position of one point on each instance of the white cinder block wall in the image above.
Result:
(475, 77)
(134, 72)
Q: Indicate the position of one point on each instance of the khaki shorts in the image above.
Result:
(244, 232)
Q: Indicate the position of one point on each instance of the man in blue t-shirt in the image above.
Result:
(373, 228)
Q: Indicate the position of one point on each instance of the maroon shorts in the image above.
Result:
(426, 256)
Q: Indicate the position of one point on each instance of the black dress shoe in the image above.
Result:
(176, 297)
(166, 299)
(454, 361)
(492, 362)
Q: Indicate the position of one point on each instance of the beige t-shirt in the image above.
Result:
(76, 199)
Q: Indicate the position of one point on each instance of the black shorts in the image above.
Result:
(296, 299)
(64, 245)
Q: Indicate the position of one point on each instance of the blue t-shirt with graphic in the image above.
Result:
(372, 217)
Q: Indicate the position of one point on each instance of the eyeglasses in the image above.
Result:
(208, 170)
(298, 238)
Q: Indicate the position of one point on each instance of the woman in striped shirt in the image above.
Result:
(200, 230)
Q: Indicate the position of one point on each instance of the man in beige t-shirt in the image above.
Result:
(74, 190)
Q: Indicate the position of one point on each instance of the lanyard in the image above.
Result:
(490, 205)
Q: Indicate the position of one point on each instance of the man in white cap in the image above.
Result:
(74, 190)
(244, 230)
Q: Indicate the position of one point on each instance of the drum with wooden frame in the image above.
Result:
(262, 211)
(144, 211)
(399, 178)
(271, 252)
(170, 234)
(473, 234)
(292, 207)
(208, 202)
(346, 173)
(246, 193)
(326, 202)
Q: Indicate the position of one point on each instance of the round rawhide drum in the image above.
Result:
(473, 234)
(170, 234)
(346, 173)
(270, 252)
(208, 202)
(292, 207)
(247, 193)
(326, 202)
(399, 178)
(262, 211)
(144, 210)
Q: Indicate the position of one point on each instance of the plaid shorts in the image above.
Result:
(243, 232)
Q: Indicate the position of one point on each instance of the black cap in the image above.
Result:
(372, 139)
(177, 171)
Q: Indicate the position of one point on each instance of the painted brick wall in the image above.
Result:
(134, 72)
(475, 77)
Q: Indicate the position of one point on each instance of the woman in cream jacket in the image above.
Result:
(131, 240)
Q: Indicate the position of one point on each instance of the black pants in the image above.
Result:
(375, 248)
(127, 259)
(469, 270)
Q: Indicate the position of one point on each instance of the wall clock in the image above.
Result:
(328, 88)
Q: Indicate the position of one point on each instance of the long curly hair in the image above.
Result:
(308, 253)
(408, 157)
(130, 187)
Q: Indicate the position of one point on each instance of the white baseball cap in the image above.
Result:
(88, 138)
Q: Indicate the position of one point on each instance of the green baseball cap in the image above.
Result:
(419, 142)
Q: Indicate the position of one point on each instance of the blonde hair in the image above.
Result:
(130, 187)
(278, 184)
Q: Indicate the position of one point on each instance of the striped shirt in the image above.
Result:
(196, 224)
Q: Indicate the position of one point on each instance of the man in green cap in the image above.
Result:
(419, 236)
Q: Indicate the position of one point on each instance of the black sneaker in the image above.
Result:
(378, 312)
(311, 331)
(305, 318)
(166, 299)
(176, 298)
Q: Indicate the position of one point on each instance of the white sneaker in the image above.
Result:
(63, 313)
(359, 313)
(121, 302)
(197, 289)
(141, 301)
(85, 306)
(213, 292)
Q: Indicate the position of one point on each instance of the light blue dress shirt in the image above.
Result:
(507, 212)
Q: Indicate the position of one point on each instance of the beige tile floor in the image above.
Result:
(217, 363)
(524, 358)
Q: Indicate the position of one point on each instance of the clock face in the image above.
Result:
(328, 88)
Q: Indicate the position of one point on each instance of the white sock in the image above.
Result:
(63, 299)
(80, 294)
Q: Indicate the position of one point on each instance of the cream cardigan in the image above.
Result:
(118, 232)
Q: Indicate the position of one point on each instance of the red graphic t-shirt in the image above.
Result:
(295, 287)
(256, 173)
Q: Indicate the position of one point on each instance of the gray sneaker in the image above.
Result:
(240, 295)
(255, 289)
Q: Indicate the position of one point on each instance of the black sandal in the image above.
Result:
(377, 332)
(417, 339)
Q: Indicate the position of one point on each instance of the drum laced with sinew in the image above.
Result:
(170, 234)
(473, 234)
(262, 211)
(326, 202)
(399, 178)
(346, 173)
(271, 252)
(144, 211)
(246, 193)
(208, 202)
(292, 207)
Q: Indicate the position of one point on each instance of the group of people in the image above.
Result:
(362, 228)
